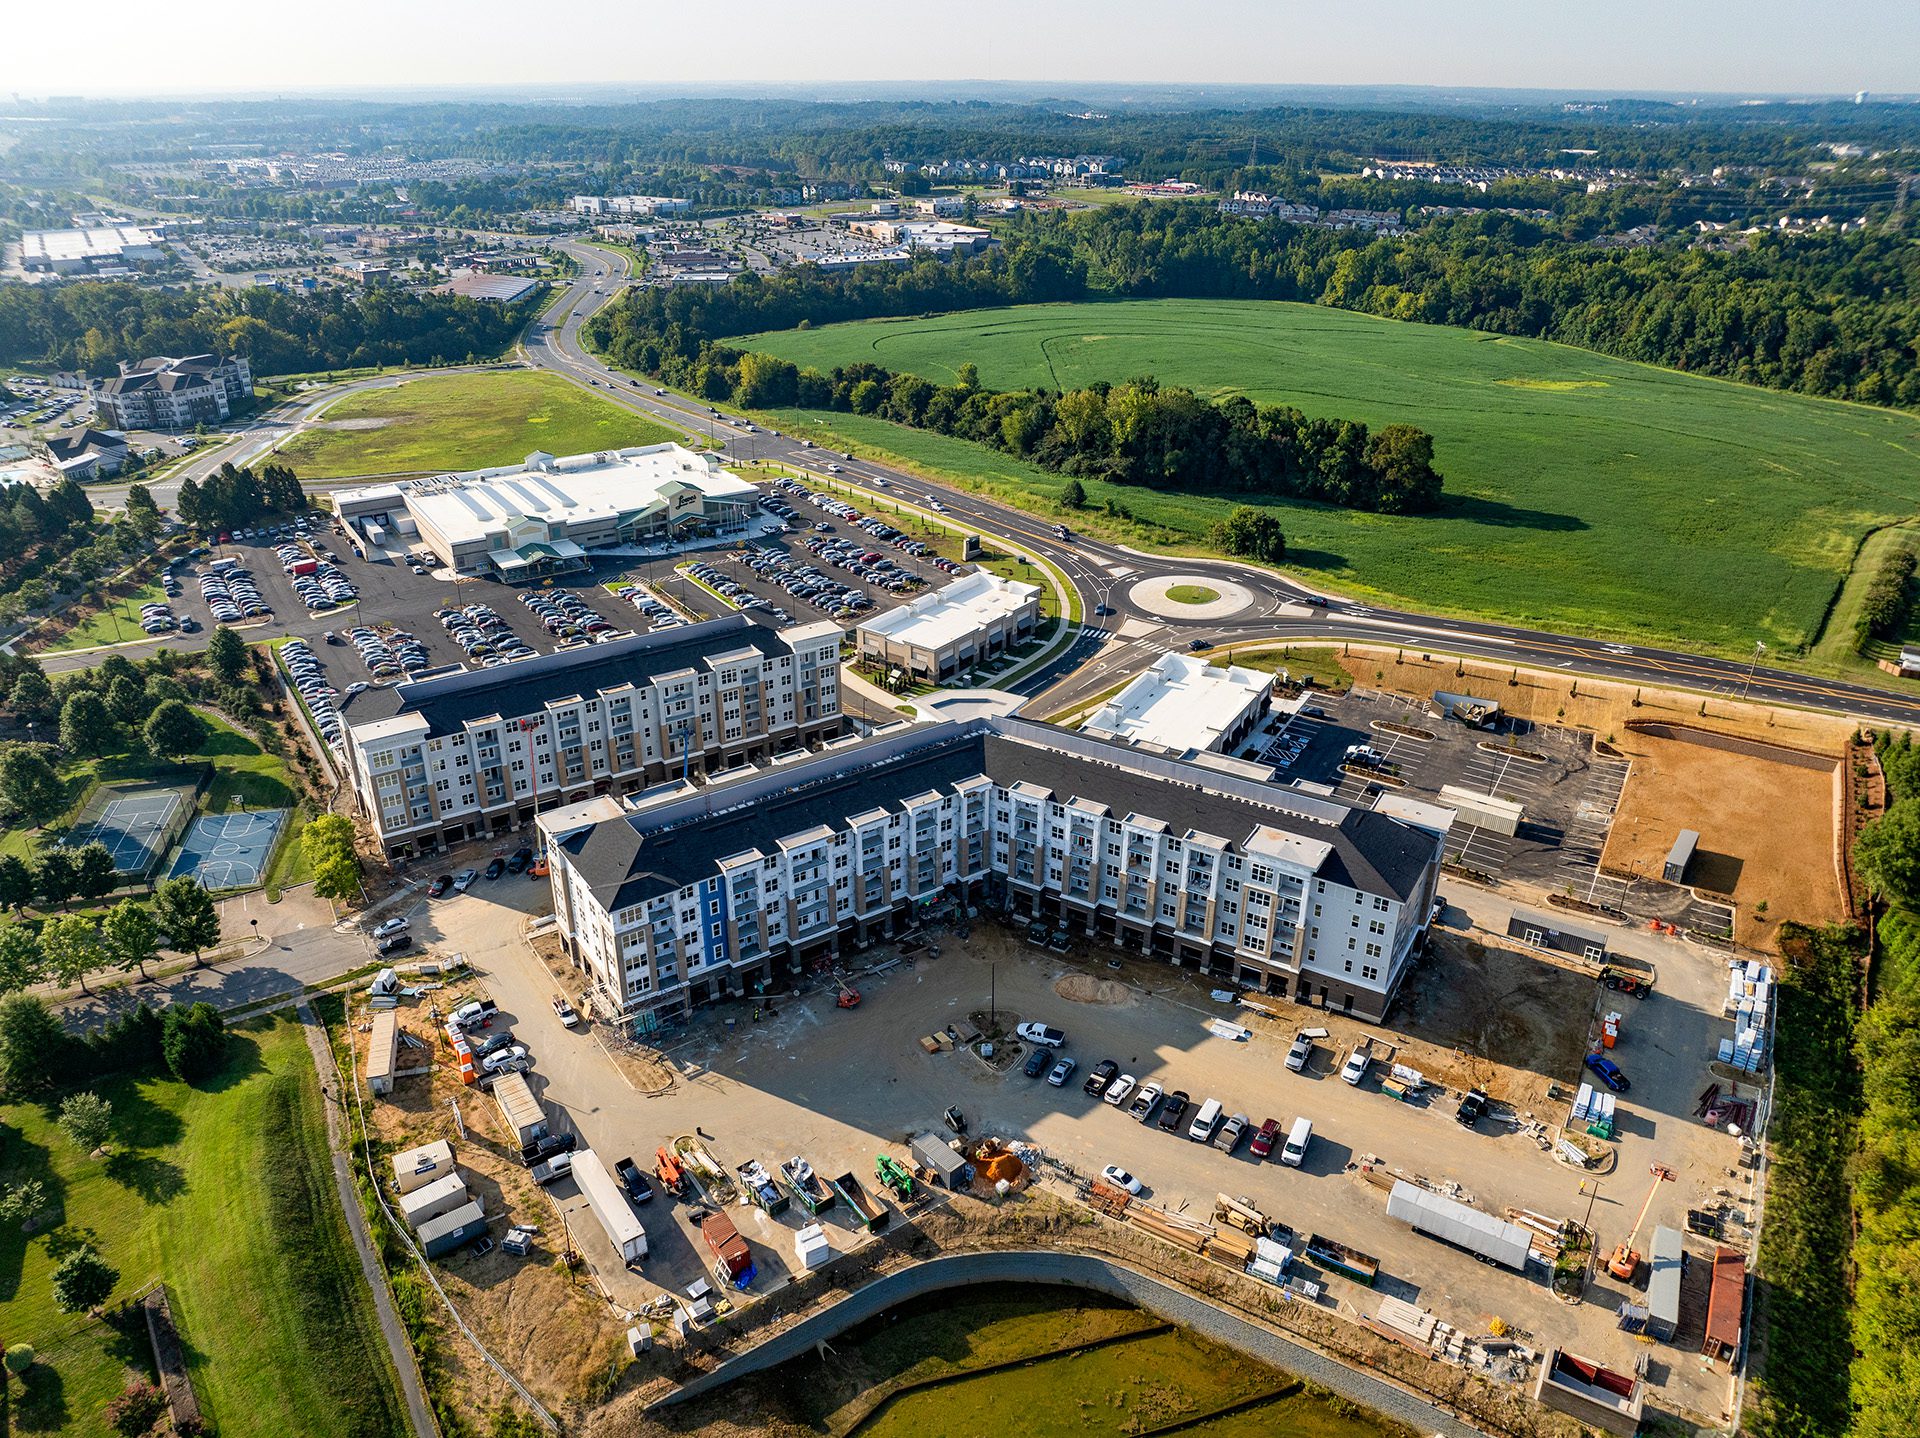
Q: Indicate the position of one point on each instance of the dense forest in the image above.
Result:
(93, 326)
(1834, 315)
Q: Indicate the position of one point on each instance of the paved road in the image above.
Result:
(1279, 608)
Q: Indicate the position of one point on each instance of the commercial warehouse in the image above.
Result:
(523, 522)
(98, 247)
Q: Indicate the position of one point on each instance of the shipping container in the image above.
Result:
(1664, 1260)
(443, 1195)
(525, 1119)
(383, 1050)
(442, 1235)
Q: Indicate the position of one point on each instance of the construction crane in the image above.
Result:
(1625, 1262)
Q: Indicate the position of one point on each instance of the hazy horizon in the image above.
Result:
(121, 49)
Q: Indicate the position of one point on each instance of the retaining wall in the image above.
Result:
(1079, 1270)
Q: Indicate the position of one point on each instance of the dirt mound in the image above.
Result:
(1086, 989)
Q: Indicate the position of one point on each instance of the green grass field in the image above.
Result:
(118, 623)
(226, 1193)
(461, 421)
(1583, 492)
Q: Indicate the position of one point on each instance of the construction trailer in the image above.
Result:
(383, 1053)
(1483, 811)
(609, 1205)
(526, 1121)
(442, 1235)
(1468, 709)
(418, 1167)
(1674, 871)
(1537, 931)
(443, 1195)
(1493, 1239)
(944, 1167)
(1594, 1394)
(1664, 1263)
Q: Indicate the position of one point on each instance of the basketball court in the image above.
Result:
(229, 851)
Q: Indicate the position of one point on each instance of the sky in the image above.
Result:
(133, 47)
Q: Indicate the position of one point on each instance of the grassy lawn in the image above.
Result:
(118, 623)
(1584, 492)
(1192, 594)
(461, 421)
(1835, 649)
(1321, 663)
(226, 1193)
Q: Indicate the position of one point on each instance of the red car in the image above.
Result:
(439, 886)
(1264, 1140)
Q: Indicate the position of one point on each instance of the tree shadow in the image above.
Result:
(156, 1180)
(1302, 558)
(242, 1062)
(41, 1406)
(24, 1161)
(139, 1122)
(131, 1345)
(70, 1238)
(1499, 515)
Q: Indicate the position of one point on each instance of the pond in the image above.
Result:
(1042, 1362)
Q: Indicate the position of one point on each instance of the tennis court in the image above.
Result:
(229, 851)
(134, 825)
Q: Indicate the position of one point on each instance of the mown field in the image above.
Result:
(225, 1192)
(461, 421)
(1583, 492)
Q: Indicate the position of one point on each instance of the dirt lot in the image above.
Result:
(552, 1330)
(1594, 704)
(1766, 830)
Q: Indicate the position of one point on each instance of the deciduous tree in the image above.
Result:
(87, 1121)
(186, 915)
(129, 938)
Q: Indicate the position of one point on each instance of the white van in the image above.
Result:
(1206, 1121)
(1298, 1137)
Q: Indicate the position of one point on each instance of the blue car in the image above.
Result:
(1609, 1072)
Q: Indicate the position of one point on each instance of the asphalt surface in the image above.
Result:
(1109, 646)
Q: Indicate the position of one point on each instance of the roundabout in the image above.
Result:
(1190, 597)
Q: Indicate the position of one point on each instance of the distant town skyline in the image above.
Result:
(129, 47)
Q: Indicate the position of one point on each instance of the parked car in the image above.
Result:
(553, 1169)
(1041, 1034)
(394, 925)
(569, 1018)
(1176, 1109)
(1062, 1071)
(439, 886)
(513, 1056)
(1037, 1062)
(548, 1145)
(463, 880)
(1301, 1051)
(1141, 1109)
(394, 944)
(1120, 1178)
(1471, 1108)
(1118, 1091)
(1355, 1068)
(1609, 1072)
(1228, 1139)
(1102, 1075)
(519, 860)
(496, 868)
(1264, 1140)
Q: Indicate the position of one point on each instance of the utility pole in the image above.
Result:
(1759, 650)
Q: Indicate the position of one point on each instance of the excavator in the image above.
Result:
(1625, 1262)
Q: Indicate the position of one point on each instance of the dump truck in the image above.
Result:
(610, 1206)
(866, 1211)
(732, 1259)
(760, 1189)
(799, 1179)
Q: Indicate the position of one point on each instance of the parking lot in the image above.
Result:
(838, 1087)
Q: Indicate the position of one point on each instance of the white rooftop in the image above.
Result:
(100, 242)
(1180, 703)
(577, 489)
(946, 616)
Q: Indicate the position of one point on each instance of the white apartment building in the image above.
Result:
(474, 754)
(686, 895)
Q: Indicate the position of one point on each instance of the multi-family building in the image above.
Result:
(692, 894)
(474, 754)
(167, 393)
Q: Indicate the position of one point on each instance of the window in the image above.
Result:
(1373, 951)
(1367, 971)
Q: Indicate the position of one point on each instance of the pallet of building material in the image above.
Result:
(1108, 1199)
(1230, 1246)
(1165, 1226)
(931, 1044)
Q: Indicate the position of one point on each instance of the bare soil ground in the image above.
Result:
(1592, 704)
(549, 1327)
(1766, 831)
(1086, 989)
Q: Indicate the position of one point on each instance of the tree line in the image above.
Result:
(1888, 600)
(233, 497)
(93, 326)
(1136, 433)
(1836, 315)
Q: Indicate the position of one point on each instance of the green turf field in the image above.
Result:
(461, 421)
(1583, 492)
(225, 1192)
